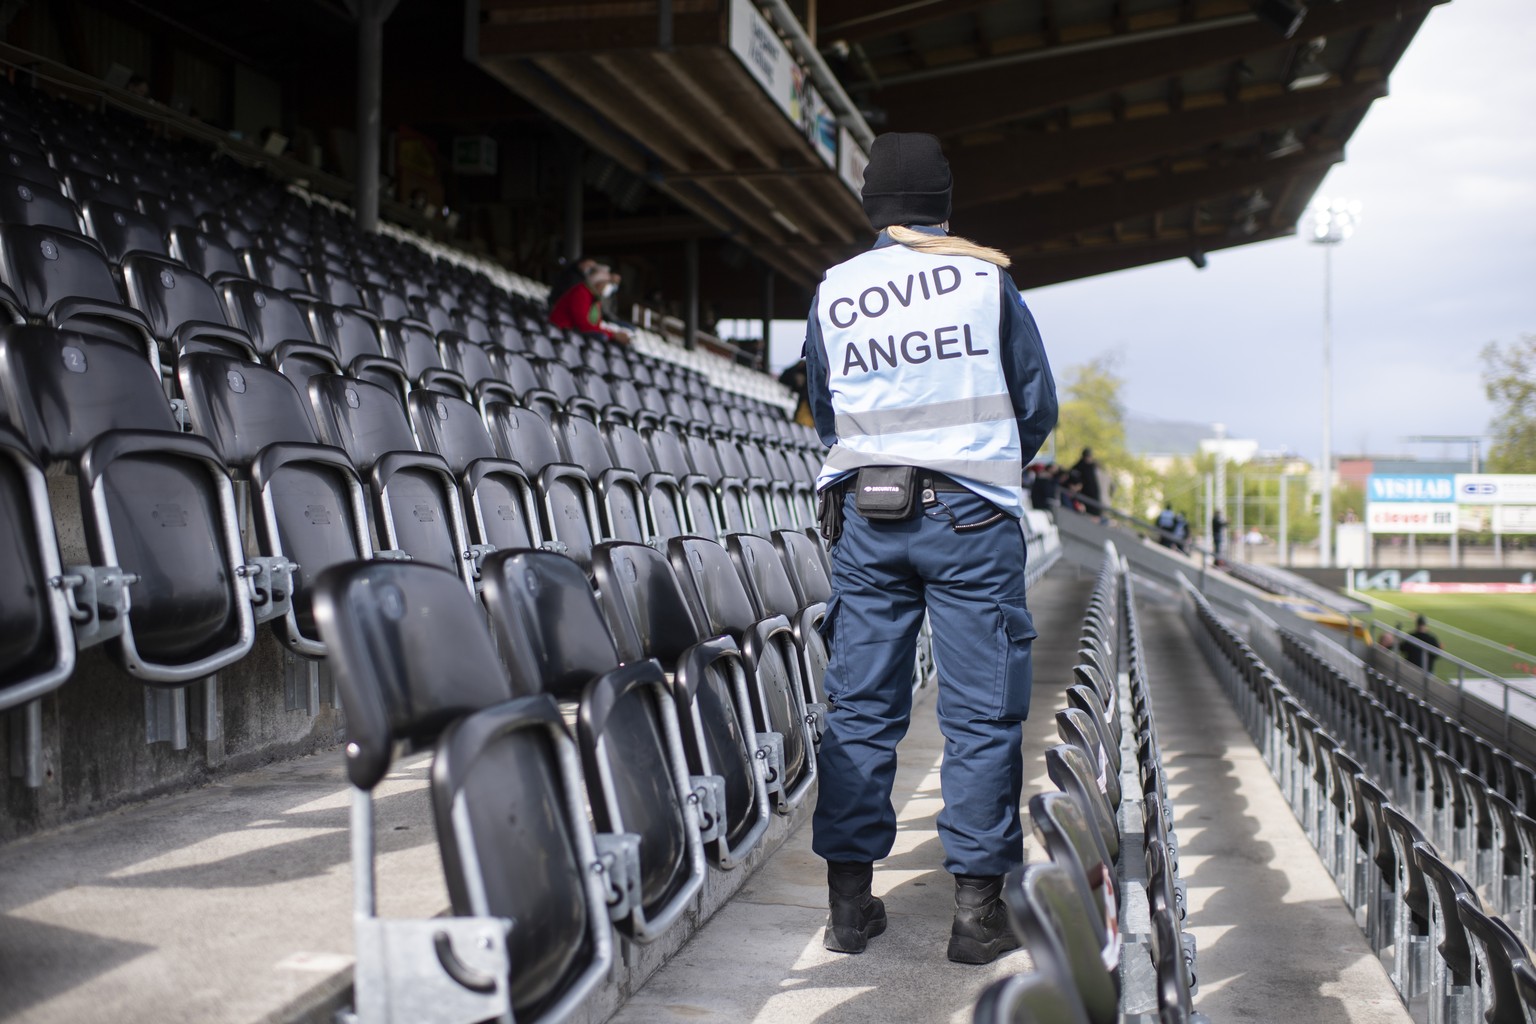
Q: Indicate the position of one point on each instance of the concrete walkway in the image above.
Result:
(761, 960)
(231, 903)
(1276, 941)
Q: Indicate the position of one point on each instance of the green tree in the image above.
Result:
(1509, 375)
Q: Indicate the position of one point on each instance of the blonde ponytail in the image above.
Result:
(946, 245)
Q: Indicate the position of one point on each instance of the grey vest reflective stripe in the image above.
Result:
(914, 370)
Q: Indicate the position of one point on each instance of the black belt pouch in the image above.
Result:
(886, 492)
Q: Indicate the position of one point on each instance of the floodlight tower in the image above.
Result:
(1333, 220)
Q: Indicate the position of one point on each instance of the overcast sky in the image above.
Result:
(1443, 262)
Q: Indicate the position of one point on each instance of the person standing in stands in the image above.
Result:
(928, 381)
(1218, 535)
(1086, 474)
(1167, 519)
(1421, 655)
(793, 378)
(580, 308)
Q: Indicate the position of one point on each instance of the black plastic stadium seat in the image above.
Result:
(207, 255)
(719, 602)
(1073, 775)
(1046, 907)
(416, 508)
(120, 231)
(772, 593)
(649, 618)
(700, 502)
(1038, 997)
(499, 501)
(1496, 949)
(567, 500)
(180, 306)
(665, 510)
(620, 497)
(309, 505)
(554, 640)
(157, 503)
(37, 643)
(62, 279)
(36, 203)
(414, 664)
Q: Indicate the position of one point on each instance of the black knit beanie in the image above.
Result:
(907, 180)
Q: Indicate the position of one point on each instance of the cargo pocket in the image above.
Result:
(827, 630)
(1014, 677)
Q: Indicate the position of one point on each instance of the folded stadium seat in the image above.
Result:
(1347, 823)
(620, 497)
(730, 488)
(159, 511)
(230, 231)
(625, 396)
(720, 604)
(334, 287)
(505, 334)
(1452, 978)
(16, 136)
(569, 348)
(599, 356)
(411, 344)
(472, 325)
(416, 507)
(1495, 951)
(473, 363)
(593, 386)
(1047, 909)
(31, 192)
(183, 310)
(805, 559)
(1482, 836)
(1515, 862)
(1071, 772)
(561, 383)
(529, 933)
(1170, 957)
(205, 254)
(310, 509)
(280, 332)
(1382, 882)
(640, 368)
(120, 231)
(499, 501)
(63, 280)
(1041, 996)
(763, 486)
(164, 212)
(277, 272)
(37, 640)
(80, 187)
(701, 501)
(388, 303)
(652, 401)
(666, 512)
(353, 335)
(798, 490)
(66, 158)
(771, 593)
(679, 408)
(649, 618)
(436, 316)
(1077, 728)
(1060, 825)
(567, 499)
(554, 640)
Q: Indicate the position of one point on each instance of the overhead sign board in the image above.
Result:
(1410, 517)
(1496, 488)
(767, 59)
(1410, 487)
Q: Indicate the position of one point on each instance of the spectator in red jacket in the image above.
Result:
(580, 307)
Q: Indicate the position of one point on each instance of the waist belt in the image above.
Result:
(939, 482)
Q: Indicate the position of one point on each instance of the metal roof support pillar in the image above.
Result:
(691, 304)
(573, 205)
(763, 353)
(370, 15)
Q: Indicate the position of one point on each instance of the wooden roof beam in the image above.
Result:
(1036, 270)
(951, 101)
(990, 172)
(1037, 219)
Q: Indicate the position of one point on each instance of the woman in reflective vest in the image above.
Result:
(929, 385)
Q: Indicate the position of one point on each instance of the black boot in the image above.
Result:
(981, 932)
(856, 915)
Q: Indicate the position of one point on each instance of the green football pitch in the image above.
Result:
(1506, 621)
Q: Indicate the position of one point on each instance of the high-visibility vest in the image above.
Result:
(915, 372)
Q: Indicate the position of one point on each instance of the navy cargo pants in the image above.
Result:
(884, 575)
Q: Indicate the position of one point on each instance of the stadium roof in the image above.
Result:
(1086, 136)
